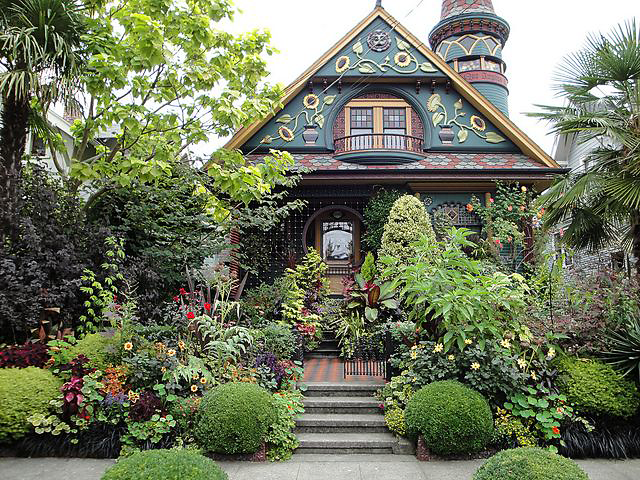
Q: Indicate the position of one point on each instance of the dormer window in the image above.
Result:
(379, 124)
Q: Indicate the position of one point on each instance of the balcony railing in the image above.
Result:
(378, 141)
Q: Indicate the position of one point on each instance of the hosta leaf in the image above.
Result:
(463, 135)
(493, 137)
(358, 48)
(319, 118)
(427, 67)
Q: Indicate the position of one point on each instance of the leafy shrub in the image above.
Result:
(376, 215)
(155, 464)
(529, 464)
(596, 388)
(234, 418)
(451, 417)
(511, 431)
(281, 439)
(27, 355)
(368, 270)
(24, 392)
(99, 348)
(394, 419)
(408, 222)
(279, 340)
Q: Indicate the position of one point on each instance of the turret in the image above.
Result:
(470, 38)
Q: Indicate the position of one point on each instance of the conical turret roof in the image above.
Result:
(451, 8)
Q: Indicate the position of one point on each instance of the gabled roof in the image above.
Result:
(475, 98)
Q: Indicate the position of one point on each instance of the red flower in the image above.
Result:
(491, 200)
(556, 430)
(176, 299)
(207, 306)
(191, 315)
(183, 291)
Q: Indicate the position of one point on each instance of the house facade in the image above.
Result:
(383, 110)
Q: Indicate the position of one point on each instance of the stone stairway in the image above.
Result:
(343, 417)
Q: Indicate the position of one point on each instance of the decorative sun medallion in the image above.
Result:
(379, 40)
(428, 201)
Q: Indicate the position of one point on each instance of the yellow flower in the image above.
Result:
(475, 366)
(505, 343)
(521, 363)
(534, 376)
(438, 348)
(451, 357)
(181, 345)
(195, 376)
(194, 388)
(286, 134)
(434, 102)
(163, 369)
(342, 64)
(171, 352)
(478, 124)
(203, 380)
(160, 346)
(128, 346)
(133, 396)
(524, 189)
(402, 59)
(551, 353)
(311, 101)
(468, 341)
(414, 354)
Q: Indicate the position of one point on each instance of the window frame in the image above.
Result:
(378, 105)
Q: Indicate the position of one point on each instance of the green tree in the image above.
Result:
(601, 88)
(40, 57)
(408, 222)
(163, 77)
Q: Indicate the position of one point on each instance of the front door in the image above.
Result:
(338, 241)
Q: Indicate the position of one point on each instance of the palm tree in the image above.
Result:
(39, 57)
(601, 88)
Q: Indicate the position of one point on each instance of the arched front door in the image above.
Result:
(337, 239)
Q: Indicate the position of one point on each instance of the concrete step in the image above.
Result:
(342, 389)
(340, 423)
(341, 405)
(329, 344)
(346, 443)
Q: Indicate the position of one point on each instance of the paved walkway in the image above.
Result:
(307, 467)
(331, 369)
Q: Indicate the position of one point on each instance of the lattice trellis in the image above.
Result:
(458, 214)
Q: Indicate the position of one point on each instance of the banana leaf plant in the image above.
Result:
(371, 299)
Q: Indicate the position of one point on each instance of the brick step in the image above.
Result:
(342, 389)
(341, 405)
(340, 423)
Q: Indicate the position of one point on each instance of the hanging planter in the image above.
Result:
(446, 134)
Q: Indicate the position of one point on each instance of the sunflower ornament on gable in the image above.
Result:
(313, 116)
(440, 117)
(404, 61)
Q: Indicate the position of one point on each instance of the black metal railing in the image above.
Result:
(370, 357)
(378, 141)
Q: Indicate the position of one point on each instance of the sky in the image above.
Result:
(542, 33)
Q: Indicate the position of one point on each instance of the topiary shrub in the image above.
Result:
(596, 388)
(376, 215)
(157, 464)
(24, 392)
(451, 418)
(234, 418)
(100, 348)
(529, 464)
(408, 222)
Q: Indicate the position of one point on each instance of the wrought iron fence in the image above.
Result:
(378, 141)
(370, 357)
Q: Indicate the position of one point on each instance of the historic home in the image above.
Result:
(381, 109)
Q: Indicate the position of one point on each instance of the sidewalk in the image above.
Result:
(306, 467)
